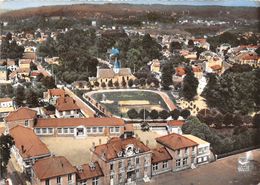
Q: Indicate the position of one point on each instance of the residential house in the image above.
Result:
(66, 107)
(28, 147)
(90, 174)
(181, 72)
(6, 106)
(161, 161)
(79, 127)
(52, 95)
(250, 58)
(174, 126)
(22, 116)
(123, 160)
(25, 63)
(203, 151)
(53, 170)
(182, 150)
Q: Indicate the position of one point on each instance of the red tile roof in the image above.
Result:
(216, 67)
(115, 145)
(86, 172)
(5, 99)
(22, 113)
(175, 141)
(175, 123)
(180, 71)
(74, 122)
(66, 104)
(160, 155)
(56, 92)
(28, 144)
(53, 167)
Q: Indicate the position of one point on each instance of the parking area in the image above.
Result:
(222, 172)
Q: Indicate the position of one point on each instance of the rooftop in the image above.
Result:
(195, 139)
(160, 154)
(22, 113)
(89, 171)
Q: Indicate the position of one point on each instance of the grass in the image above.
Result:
(154, 99)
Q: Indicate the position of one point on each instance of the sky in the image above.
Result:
(18, 4)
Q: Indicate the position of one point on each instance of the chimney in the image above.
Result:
(22, 149)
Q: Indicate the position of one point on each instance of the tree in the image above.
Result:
(185, 113)
(164, 114)
(167, 72)
(190, 43)
(237, 120)
(96, 83)
(144, 114)
(175, 45)
(190, 85)
(142, 81)
(154, 114)
(130, 82)
(199, 50)
(256, 120)
(6, 143)
(116, 84)
(175, 114)
(31, 98)
(136, 82)
(228, 119)
(110, 83)
(132, 114)
(103, 85)
(19, 95)
(48, 82)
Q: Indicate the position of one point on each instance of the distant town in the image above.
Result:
(143, 95)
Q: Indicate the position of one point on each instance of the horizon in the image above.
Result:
(16, 4)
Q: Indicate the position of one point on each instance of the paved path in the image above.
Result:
(222, 172)
(86, 110)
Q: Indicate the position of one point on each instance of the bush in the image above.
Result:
(96, 84)
(130, 83)
(110, 83)
(175, 114)
(116, 84)
(185, 113)
(256, 120)
(164, 114)
(132, 114)
(103, 85)
(154, 114)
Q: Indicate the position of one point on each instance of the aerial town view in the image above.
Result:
(129, 92)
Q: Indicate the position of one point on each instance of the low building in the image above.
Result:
(79, 127)
(182, 150)
(6, 106)
(174, 126)
(66, 107)
(22, 116)
(53, 170)
(203, 152)
(161, 161)
(52, 95)
(28, 147)
(89, 174)
(124, 160)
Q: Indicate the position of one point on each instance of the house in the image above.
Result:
(89, 174)
(161, 161)
(6, 106)
(79, 127)
(123, 160)
(174, 126)
(3, 73)
(52, 95)
(155, 66)
(203, 151)
(22, 116)
(28, 147)
(66, 107)
(201, 42)
(53, 170)
(30, 55)
(25, 63)
(181, 72)
(182, 150)
(250, 58)
(20, 73)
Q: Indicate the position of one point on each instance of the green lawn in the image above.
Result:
(154, 99)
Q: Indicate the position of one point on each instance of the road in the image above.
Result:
(221, 172)
(85, 109)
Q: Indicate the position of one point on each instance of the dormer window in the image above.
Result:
(26, 123)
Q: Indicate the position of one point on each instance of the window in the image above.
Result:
(100, 129)
(120, 164)
(137, 160)
(111, 129)
(137, 172)
(65, 130)
(185, 161)
(94, 129)
(47, 182)
(111, 166)
(70, 177)
(38, 130)
(117, 129)
(165, 164)
(83, 182)
(205, 158)
(186, 150)
(155, 167)
(72, 130)
(59, 130)
(193, 148)
(128, 162)
(95, 181)
(178, 152)
(111, 177)
(88, 129)
(50, 130)
(58, 180)
(178, 163)
(26, 123)
(44, 130)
